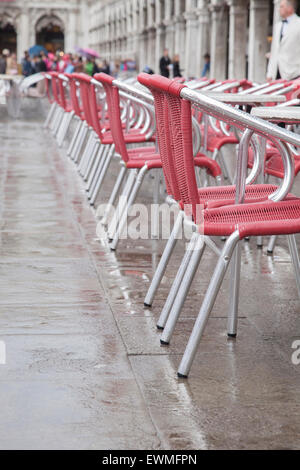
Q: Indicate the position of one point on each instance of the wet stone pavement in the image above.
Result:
(84, 366)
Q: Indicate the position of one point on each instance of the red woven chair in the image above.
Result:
(169, 144)
(235, 221)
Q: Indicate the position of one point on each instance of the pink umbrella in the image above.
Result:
(87, 51)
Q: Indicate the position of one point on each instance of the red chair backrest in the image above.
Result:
(177, 149)
(85, 83)
(73, 94)
(55, 87)
(114, 113)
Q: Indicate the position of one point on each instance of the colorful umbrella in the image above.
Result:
(36, 50)
(86, 51)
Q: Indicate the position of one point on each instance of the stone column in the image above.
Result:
(238, 17)
(276, 16)
(258, 45)
(151, 49)
(191, 44)
(219, 32)
(84, 25)
(71, 31)
(203, 34)
(169, 36)
(23, 39)
(168, 22)
(179, 32)
(160, 33)
(159, 45)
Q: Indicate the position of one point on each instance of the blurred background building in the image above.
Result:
(55, 24)
(236, 33)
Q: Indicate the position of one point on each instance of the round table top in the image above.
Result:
(288, 114)
(250, 99)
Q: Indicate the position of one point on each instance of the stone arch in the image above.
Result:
(50, 31)
(8, 32)
(49, 19)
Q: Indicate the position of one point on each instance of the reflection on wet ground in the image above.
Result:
(85, 369)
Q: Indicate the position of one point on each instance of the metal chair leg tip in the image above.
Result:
(231, 335)
(147, 305)
(259, 247)
(269, 252)
(181, 376)
(164, 343)
(159, 327)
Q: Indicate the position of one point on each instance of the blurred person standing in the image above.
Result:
(27, 69)
(206, 67)
(164, 64)
(78, 65)
(285, 50)
(39, 65)
(89, 66)
(12, 65)
(70, 68)
(2, 64)
(176, 66)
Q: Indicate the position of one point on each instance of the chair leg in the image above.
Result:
(91, 161)
(234, 292)
(62, 126)
(295, 259)
(122, 204)
(102, 175)
(50, 115)
(164, 260)
(156, 191)
(225, 166)
(74, 138)
(271, 245)
(66, 128)
(207, 305)
(78, 141)
(197, 248)
(82, 140)
(175, 287)
(131, 199)
(114, 194)
(87, 151)
(99, 160)
(55, 116)
(89, 156)
(59, 121)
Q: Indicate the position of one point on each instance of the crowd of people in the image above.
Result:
(61, 62)
(69, 63)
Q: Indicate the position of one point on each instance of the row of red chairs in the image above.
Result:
(117, 115)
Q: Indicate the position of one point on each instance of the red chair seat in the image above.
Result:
(274, 166)
(216, 142)
(260, 219)
(217, 196)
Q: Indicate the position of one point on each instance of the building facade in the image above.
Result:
(60, 24)
(234, 32)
